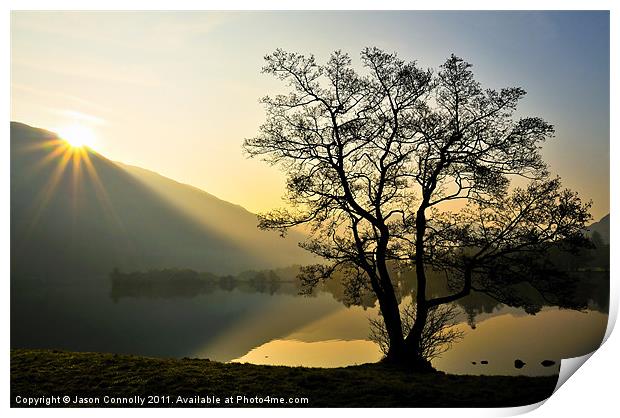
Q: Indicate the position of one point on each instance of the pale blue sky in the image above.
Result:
(177, 92)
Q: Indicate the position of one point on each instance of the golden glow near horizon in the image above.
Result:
(178, 92)
(78, 135)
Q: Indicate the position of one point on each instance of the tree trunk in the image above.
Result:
(413, 341)
(391, 317)
(413, 348)
(389, 304)
(400, 353)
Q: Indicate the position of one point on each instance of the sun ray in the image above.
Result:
(60, 149)
(75, 186)
(101, 192)
(64, 154)
(48, 190)
(73, 166)
(52, 143)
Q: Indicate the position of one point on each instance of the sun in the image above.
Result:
(78, 136)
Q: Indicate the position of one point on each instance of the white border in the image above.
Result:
(590, 393)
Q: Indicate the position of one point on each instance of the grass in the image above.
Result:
(47, 373)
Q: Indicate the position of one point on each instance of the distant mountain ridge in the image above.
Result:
(71, 222)
(75, 214)
(602, 227)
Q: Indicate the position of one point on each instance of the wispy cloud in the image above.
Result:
(123, 29)
(80, 116)
(68, 97)
(94, 71)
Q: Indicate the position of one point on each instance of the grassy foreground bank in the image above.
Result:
(188, 382)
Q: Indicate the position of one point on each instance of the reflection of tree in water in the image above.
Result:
(476, 304)
(577, 289)
(583, 285)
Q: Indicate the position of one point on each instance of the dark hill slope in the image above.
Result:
(76, 212)
(602, 227)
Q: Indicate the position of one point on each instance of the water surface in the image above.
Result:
(277, 326)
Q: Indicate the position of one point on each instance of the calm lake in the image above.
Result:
(277, 326)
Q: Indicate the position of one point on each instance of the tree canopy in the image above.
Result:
(393, 164)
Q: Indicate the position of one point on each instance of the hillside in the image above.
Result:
(76, 212)
(602, 227)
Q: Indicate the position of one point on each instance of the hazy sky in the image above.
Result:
(177, 92)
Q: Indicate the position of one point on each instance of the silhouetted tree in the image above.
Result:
(376, 163)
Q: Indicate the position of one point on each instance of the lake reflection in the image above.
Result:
(501, 338)
(276, 326)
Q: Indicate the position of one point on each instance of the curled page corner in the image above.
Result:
(569, 366)
(518, 410)
(611, 316)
